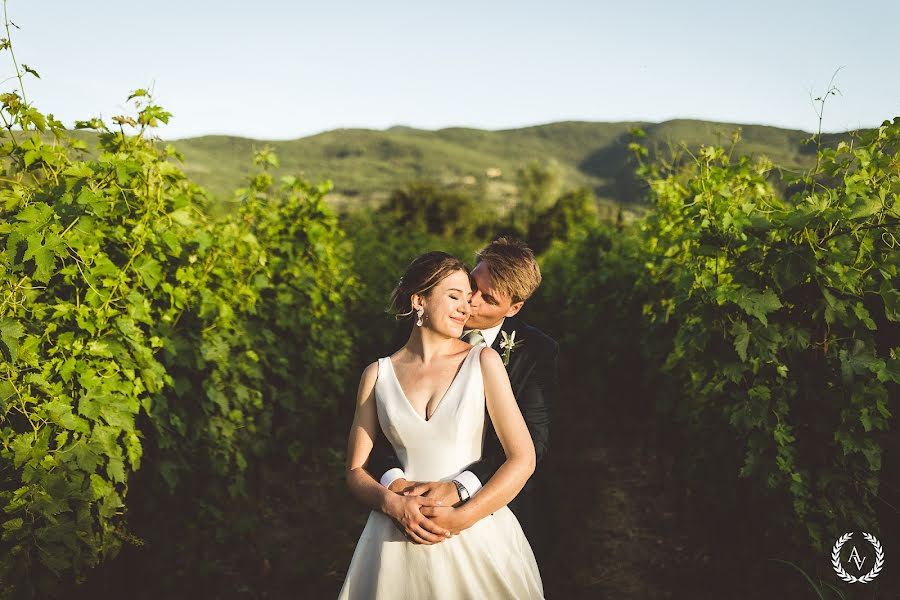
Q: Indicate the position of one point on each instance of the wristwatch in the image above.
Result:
(462, 491)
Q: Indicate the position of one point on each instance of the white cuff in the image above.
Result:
(469, 481)
(392, 475)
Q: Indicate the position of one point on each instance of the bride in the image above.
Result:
(429, 399)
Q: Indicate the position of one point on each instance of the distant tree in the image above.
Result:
(539, 186)
(571, 211)
(437, 211)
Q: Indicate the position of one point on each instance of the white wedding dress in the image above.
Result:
(490, 560)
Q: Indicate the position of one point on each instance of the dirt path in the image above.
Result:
(618, 533)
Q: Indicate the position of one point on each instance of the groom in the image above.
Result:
(506, 275)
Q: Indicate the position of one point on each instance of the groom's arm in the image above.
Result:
(536, 402)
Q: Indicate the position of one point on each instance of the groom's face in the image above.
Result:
(489, 306)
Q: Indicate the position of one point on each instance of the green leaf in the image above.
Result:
(87, 455)
(100, 487)
(35, 215)
(117, 417)
(7, 391)
(134, 450)
(761, 393)
(865, 419)
(860, 360)
(863, 315)
(80, 170)
(172, 242)
(33, 116)
(106, 437)
(152, 114)
(793, 267)
(61, 414)
(67, 368)
(890, 371)
(783, 434)
(13, 524)
(758, 304)
(44, 254)
(61, 438)
(10, 332)
(150, 271)
(31, 156)
(116, 469)
(28, 69)
(21, 447)
(800, 217)
(833, 306)
(872, 452)
(182, 216)
(864, 207)
(89, 406)
(891, 297)
(741, 338)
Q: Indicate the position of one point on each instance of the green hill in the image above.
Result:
(366, 165)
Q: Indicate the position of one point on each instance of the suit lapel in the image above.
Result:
(509, 326)
(516, 368)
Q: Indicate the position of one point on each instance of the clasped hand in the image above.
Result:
(427, 512)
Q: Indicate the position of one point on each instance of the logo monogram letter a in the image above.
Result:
(854, 554)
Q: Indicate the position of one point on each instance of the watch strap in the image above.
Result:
(461, 490)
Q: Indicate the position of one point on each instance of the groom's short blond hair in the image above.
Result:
(512, 266)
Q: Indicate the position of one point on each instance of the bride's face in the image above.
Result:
(447, 305)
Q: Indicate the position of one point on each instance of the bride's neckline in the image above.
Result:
(443, 396)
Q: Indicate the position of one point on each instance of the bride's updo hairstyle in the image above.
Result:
(422, 275)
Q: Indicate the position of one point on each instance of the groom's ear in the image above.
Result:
(515, 308)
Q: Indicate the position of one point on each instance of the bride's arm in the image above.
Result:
(517, 444)
(359, 446)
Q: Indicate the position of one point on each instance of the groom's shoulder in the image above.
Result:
(539, 341)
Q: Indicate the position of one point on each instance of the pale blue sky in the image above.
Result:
(280, 70)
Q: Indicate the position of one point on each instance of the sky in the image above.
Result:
(280, 70)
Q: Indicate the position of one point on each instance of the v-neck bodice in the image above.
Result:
(438, 448)
(462, 367)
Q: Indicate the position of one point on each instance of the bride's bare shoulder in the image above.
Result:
(369, 375)
(490, 360)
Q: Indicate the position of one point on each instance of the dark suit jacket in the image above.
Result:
(533, 373)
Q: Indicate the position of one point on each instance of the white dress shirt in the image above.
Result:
(468, 479)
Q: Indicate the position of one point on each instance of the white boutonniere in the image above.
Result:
(508, 344)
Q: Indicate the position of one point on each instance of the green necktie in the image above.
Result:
(473, 337)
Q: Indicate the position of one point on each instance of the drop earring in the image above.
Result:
(419, 313)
